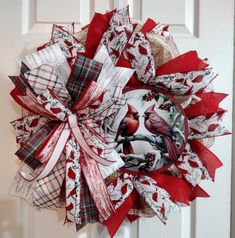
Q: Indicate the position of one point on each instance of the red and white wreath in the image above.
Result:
(116, 123)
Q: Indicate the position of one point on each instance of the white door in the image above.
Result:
(206, 26)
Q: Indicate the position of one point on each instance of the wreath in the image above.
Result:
(118, 123)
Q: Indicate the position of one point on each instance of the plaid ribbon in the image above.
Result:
(27, 150)
(24, 68)
(47, 190)
(89, 212)
(44, 77)
(21, 84)
(85, 70)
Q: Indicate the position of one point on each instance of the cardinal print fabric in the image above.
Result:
(115, 122)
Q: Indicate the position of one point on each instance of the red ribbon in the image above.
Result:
(209, 103)
(210, 160)
(99, 24)
(178, 188)
(133, 81)
(182, 64)
(115, 221)
(197, 191)
(97, 186)
(14, 94)
(148, 26)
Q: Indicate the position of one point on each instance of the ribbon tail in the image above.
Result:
(178, 189)
(52, 160)
(198, 192)
(96, 186)
(73, 182)
(114, 222)
(209, 103)
(182, 64)
(157, 198)
(132, 218)
(148, 26)
(210, 160)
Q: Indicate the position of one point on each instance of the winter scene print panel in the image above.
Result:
(150, 130)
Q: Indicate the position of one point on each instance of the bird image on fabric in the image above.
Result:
(127, 127)
(158, 126)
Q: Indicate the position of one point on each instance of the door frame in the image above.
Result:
(232, 220)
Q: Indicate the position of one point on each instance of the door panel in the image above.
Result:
(206, 27)
(59, 11)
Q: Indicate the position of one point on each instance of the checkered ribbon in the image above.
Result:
(89, 212)
(85, 71)
(27, 150)
(22, 84)
(23, 68)
(44, 77)
(47, 190)
(51, 55)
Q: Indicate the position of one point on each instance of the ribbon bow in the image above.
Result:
(100, 95)
(69, 125)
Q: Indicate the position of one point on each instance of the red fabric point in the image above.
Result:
(71, 174)
(124, 189)
(182, 64)
(115, 220)
(210, 160)
(155, 197)
(69, 207)
(209, 104)
(55, 110)
(178, 188)
(99, 24)
(148, 26)
(198, 192)
(132, 218)
(14, 94)
(34, 122)
(145, 182)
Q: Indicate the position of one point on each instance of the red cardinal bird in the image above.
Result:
(115, 52)
(130, 56)
(142, 50)
(158, 126)
(127, 127)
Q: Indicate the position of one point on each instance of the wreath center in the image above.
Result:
(151, 130)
